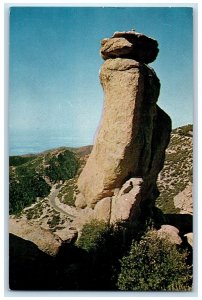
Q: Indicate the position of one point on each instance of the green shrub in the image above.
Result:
(93, 235)
(54, 221)
(69, 198)
(99, 236)
(105, 244)
(67, 192)
(154, 264)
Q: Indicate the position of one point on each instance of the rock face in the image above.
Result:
(171, 233)
(127, 203)
(134, 132)
(44, 239)
(189, 237)
(130, 44)
(184, 201)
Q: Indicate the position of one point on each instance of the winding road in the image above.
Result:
(52, 197)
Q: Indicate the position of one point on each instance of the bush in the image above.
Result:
(93, 235)
(54, 222)
(67, 192)
(105, 245)
(154, 264)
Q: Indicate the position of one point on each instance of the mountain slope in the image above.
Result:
(178, 167)
(32, 176)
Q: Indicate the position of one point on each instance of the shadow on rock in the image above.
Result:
(32, 269)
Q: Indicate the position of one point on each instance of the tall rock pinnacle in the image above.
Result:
(134, 132)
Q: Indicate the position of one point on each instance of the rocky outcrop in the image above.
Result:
(126, 203)
(45, 240)
(184, 201)
(189, 237)
(171, 233)
(102, 210)
(130, 44)
(134, 132)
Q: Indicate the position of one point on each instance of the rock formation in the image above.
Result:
(171, 233)
(45, 240)
(134, 132)
(130, 44)
(184, 201)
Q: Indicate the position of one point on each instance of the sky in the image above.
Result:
(54, 62)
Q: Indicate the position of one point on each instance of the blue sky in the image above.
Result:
(54, 87)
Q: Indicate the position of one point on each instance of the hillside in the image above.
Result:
(48, 226)
(37, 182)
(177, 173)
(32, 176)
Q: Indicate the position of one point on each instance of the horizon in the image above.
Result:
(54, 88)
(41, 150)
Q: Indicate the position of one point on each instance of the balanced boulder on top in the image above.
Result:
(130, 44)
